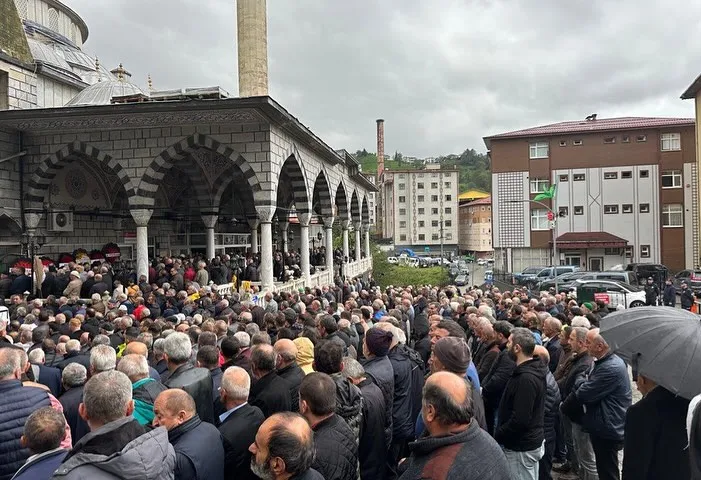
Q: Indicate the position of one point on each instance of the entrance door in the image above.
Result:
(596, 264)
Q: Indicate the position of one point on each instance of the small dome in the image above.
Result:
(102, 92)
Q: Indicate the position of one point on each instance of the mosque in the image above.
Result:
(91, 165)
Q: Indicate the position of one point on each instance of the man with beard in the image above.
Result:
(284, 449)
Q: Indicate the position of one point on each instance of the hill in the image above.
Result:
(474, 167)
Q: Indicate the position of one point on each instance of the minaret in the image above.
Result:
(252, 23)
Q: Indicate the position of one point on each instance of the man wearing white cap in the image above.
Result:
(74, 286)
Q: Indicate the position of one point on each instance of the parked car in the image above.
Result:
(482, 261)
(531, 276)
(614, 275)
(564, 282)
(610, 292)
(691, 277)
(392, 260)
(643, 271)
(461, 280)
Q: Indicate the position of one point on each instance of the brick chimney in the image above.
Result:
(380, 148)
(252, 24)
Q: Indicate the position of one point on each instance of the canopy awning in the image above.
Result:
(584, 240)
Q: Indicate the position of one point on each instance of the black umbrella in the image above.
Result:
(661, 343)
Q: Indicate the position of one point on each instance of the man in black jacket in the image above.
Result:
(669, 295)
(336, 450)
(270, 392)
(239, 423)
(521, 411)
(495, 381)
(199, 454)
(287, 368)
(686, 297)
(372, 450)
(181, 374)
(551, 416)
(74, 377)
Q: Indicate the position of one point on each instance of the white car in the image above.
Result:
(482, 261)
(613, 293)
(392, 260)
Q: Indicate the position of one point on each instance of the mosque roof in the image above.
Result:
(102, 92)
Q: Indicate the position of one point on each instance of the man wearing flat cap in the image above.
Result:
(74, 286)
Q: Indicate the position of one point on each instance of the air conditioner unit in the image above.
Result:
(60, 222)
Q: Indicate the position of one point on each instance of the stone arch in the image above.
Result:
(15, 225)
(44, 174)
(355, 207)
(365, 211)
(234, 175)
(322, 203)
(293, 172)
(178, 152)
(342, 210)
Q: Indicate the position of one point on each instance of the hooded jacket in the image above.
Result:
(336, 449)
(120, 449)
(349, 403)
(380, 371)
(305, 354)
(522, 408)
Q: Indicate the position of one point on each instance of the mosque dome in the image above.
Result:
(107, 87)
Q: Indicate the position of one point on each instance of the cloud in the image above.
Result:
(442, 73)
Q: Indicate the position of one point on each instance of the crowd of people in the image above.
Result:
(163, 378)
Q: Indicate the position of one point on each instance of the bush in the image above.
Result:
(386, 274)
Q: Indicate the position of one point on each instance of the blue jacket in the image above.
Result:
(606, 396)
(42, 467)
(199, 451)
(24, 401)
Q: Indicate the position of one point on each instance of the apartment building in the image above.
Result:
(475, 227)
(626, 191)
(420, 208)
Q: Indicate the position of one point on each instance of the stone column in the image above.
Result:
(346, 249)
(304, 219)
(284, 228)
(210, 221)
(31, 222)
(328, 232)
(265, 215)
(366, 229)
(141, 218)
(358, 249)
(253, 223)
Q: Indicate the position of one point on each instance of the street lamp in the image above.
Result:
(554, 233)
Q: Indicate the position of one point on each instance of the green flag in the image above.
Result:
(549, 194)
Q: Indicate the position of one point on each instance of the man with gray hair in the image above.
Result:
(196, 381)
(110, 449)
(73, 355)
(159, 362)
(144, 388)
(239, 422)
(74, 377)
(102, 359)
(49, 376)
(372, 449)
(44, 431)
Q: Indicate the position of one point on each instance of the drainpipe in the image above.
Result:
(20, 148)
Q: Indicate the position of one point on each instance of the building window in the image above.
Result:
(562, 211)
(402, 199)
(434, 211)
(644, 173)
(434, 236)
(402, 238)
(420, 185)
(609, 139)
(448, 223)
(434, 198)
(577, 143)
(644, 208)
(420, 198)
(610, 175)
(434, 184)
(539, 219)
(610, 209)
(627, 208)
(641, 138)
(434, 223)
(421, 211)
(53, 19)
(448, 210)
(671, 179)
(644, 251)
(422, 224)
(629, 252)
(402, 175)
(672, 215)
(448, 198)
(612, 251)
(539, 185)
(579, 210)
(670, 142)
(447, 184)
(625, 139)
(402, 186)
(627, 174)
(422, 237)
(538, 150)
(578, 177)
(563, 143)
(564, 178)
(448, 236)
(402, 211)
(402, 224)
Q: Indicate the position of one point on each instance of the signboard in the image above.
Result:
(130, 237)
(427, 249)
(604, 297)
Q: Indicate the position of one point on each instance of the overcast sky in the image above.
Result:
(442, 73)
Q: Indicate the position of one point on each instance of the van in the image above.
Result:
(531, 276)
(614, 275)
